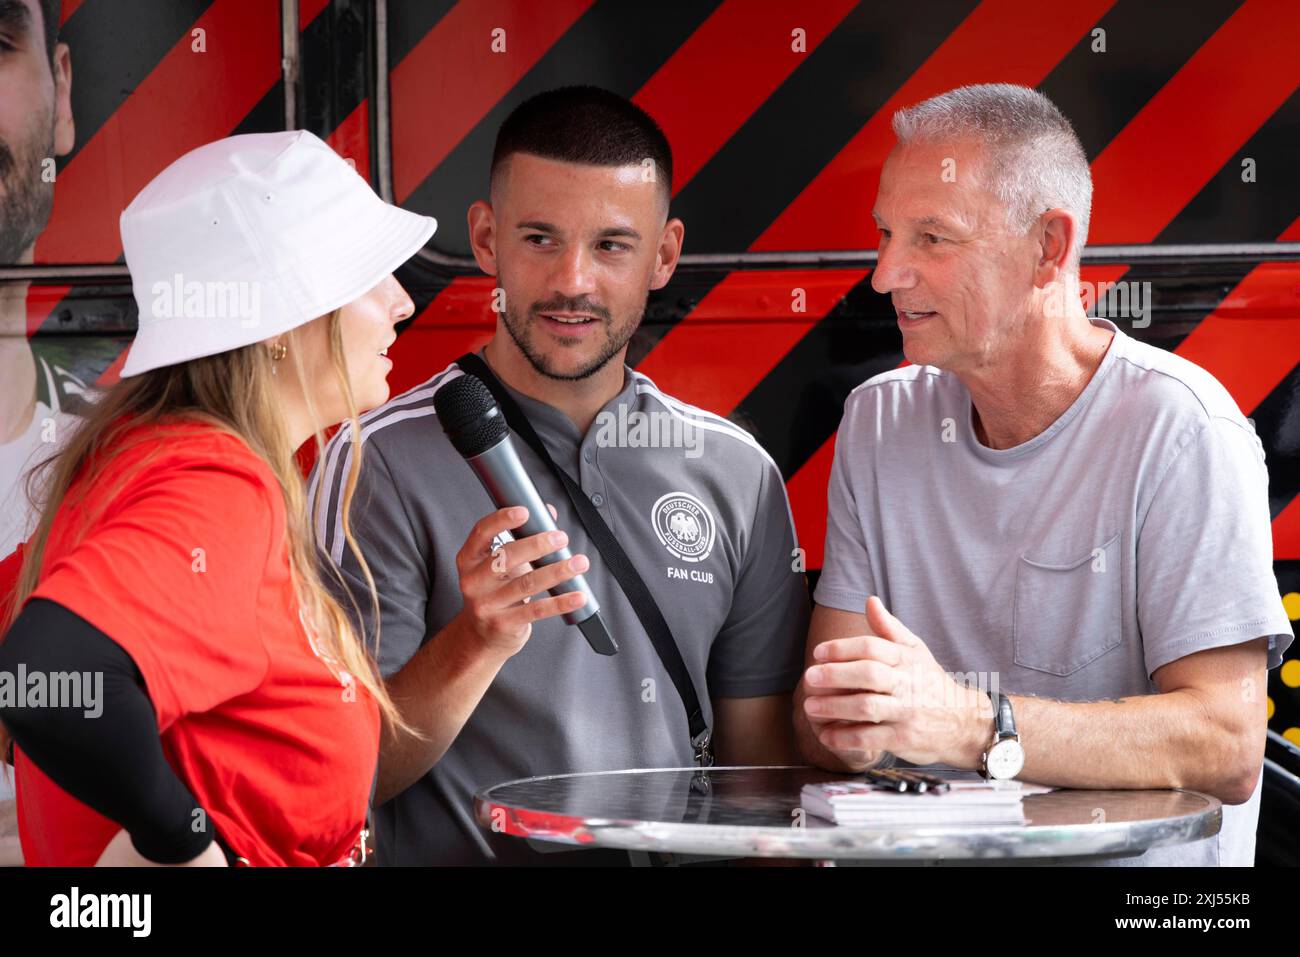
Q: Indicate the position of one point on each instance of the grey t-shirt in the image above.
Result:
(699, 508)
(1132, 532)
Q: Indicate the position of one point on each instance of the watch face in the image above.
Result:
(1005, 760)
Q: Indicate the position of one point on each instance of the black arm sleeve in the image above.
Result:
(106, 751)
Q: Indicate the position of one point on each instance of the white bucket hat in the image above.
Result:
(246, 238)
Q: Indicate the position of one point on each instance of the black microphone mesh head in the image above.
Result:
(469, 415)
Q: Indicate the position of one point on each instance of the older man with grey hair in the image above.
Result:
(1075, 517)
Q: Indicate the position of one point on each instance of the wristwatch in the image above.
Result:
(1005, 757)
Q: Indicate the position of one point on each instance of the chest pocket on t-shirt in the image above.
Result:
(1067, 615)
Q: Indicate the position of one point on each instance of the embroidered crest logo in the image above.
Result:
(684, 526)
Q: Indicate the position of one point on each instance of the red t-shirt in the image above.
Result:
(178, 554)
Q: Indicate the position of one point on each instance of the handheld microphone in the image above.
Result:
(478, 431)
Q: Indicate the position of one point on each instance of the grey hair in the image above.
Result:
(1035, 161)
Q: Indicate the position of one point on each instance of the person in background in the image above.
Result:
(229, 711)
(35, 126)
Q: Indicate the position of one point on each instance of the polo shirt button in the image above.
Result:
(598, 500)
(588, 455)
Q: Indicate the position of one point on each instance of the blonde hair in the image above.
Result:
(232, 392)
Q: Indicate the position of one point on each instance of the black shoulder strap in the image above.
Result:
(643, 603)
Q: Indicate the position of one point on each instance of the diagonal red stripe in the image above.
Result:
(807, 492)
(1101, 274)
(41, 301)
(69, 8)
(171, 112)
(351, 139)
(983, 49)
(309, 10)
(1251, 341)
(452, 78)
(1286, 532)
(753, 318)
(110, 376)
(725, 71)
(1193, 126)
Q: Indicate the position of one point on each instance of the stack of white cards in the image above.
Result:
(969, 800)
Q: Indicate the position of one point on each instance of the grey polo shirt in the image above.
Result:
(701, 511)
(1132, 532)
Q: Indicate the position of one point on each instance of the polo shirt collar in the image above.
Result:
(550, 421)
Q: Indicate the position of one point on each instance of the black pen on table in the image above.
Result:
(934, 782)
(886, 780)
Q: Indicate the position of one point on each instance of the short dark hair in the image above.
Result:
(588, 125)
(52, 11)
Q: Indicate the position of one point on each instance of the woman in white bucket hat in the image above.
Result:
(239, 714)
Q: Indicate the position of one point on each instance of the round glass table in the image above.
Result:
(755, 812)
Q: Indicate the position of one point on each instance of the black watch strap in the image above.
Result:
(1004, 722)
